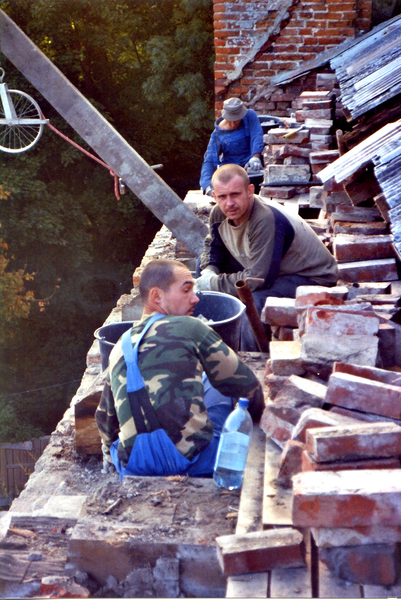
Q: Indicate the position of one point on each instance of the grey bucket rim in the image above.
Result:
(241, 306)
(103, 339)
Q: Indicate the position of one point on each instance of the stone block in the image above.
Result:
(358, 393)
(356, 349)
(277, 136)
(260, 551)
(279, 311)
(285, 358)
(318, 320)
(329, 156)
(354, 442)
(290, 462)
(308, 463)
(347, 498)
(356, 247)
(286, 174)
(309, 295)
(369, 270)
(327, 537)
(317, 417)
(376, 564)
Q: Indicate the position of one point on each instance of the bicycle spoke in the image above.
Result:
(20, 137)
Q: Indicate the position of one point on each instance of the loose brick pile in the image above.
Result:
(337, 417)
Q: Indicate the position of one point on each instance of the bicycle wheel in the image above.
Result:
(22, 135)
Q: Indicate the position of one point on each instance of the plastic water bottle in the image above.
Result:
(233, 447)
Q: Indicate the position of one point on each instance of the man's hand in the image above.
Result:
(253, 164)
(203, 283)
(209, 191)
(108, 467)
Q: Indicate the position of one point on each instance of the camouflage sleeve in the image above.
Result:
(229, 374)
(106, 419)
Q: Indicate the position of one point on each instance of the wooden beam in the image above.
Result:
(100, 135)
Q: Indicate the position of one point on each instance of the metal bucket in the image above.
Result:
(226, 313)
(108, 335)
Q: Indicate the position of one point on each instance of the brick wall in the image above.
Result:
(258, 39)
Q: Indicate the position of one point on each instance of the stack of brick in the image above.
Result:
(295, 154)
(349, 490)
(330, 329)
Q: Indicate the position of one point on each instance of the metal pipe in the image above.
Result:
(245, 295)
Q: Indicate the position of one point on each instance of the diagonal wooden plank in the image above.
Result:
(100, 135)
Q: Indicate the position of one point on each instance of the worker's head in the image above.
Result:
(233, 112)
(166, 286)
(233, 192)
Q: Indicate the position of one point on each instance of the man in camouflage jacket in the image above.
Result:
(174, 354)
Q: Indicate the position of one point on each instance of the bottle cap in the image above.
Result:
(243, 402)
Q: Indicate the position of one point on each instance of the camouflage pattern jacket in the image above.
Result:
(172, 357)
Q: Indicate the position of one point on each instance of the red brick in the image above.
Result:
(354, 442)
(328, 537)
(279, 311)
(369, 270)
(347, 498)
(275, 427)
(312, 295)
(260, 551)
(285, 358)
(324, 320)
(273, 383)
(290, 462)
(317, 417)
(372, 373)
(358, 393)
(352, 247)
(376, 564)
(308, 463)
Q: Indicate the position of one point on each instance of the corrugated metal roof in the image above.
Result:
(369, 73)
(368, 68)
(383, 149)
(336, 53)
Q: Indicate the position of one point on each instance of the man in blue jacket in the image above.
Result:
(237, 138)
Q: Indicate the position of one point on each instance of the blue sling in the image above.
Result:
(153, 453)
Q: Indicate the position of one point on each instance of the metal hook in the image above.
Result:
(2, 73)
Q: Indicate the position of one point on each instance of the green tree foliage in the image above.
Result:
(147, 66)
